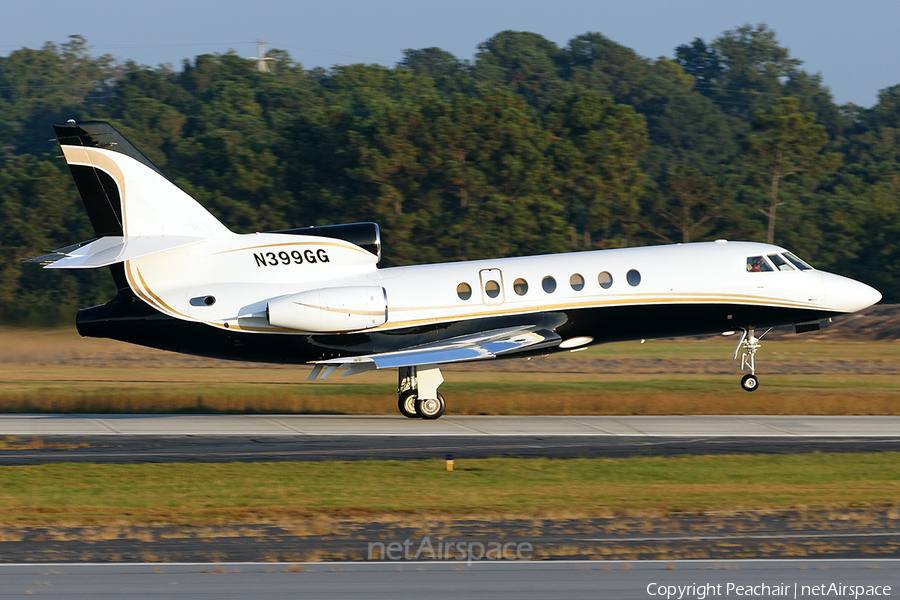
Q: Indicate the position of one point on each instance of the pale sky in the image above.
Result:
(855, 45)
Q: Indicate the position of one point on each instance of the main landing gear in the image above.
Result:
(417, 395)
(751, 344)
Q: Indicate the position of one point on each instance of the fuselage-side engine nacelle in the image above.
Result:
(330, 310)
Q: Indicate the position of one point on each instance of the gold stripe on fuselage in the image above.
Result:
(660, 300)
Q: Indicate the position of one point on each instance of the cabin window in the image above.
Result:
(549, 284)
(780, 263)
(464, 291)
(802, 265)
(633, 277)
(520, 286)
(757, 264)
(492, 289)
(605, 280)
(577, 282)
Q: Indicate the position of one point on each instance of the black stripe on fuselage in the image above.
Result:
(131, 320)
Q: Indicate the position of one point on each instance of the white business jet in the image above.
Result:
(316, 295)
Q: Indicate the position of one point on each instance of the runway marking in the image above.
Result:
(767, 426)
(288, 427)
(477, 431)
(105, 425)
(619, 422)
(590, 426)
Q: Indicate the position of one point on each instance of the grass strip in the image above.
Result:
(207, 494)
(46, 371)
(826, 395)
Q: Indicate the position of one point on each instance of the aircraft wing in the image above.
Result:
(477, 346)
(111, 249)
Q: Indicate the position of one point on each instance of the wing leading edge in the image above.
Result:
(478, 346)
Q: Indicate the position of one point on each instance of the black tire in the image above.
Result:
(407, 404)
(431, 409)
(750, 383)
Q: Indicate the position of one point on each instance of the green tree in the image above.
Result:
(686, 208)
(501, 171)
(46, 86)
(39, 213)
(701, 62)
(596, 148)
(786, 143)
(450, 75)
(743, 70)
(525, 63)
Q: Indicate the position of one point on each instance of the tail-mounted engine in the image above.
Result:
(330, 310)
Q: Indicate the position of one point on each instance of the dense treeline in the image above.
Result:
(529, 148)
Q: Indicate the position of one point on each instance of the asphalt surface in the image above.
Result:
(241, 448)
(39, 439)
(797, 578)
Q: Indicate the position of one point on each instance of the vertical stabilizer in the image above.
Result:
(124, 193)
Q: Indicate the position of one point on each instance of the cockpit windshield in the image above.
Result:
(780, 263)
(785, 261)
(797, 262)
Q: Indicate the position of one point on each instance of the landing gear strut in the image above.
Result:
(417, 394)
(751, 344)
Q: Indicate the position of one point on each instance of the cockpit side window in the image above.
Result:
(757, 264)
(797, 262)
(780, 263)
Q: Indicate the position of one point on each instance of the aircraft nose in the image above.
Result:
(848, 295)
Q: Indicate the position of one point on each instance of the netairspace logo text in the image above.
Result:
(702, 591)
(426, 549)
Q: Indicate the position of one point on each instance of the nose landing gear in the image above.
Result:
(751, 344)
(750, 382)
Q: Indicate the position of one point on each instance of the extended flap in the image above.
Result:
(477, 346)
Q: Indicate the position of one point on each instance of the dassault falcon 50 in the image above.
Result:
(316, 295)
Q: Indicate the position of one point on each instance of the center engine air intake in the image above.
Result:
(330, 310)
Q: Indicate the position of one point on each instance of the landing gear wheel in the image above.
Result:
(407, 404)
(430, 409)
(750, 383)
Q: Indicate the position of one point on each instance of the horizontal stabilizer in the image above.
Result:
(479, 346)
(110, 250)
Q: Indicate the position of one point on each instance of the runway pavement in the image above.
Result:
(450, 426)
(41, 439)
(795, 578)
